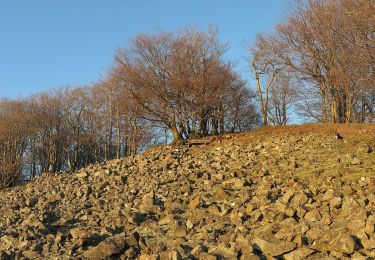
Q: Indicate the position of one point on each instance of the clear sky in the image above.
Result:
(50, 43)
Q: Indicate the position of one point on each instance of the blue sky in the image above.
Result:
(49, 43)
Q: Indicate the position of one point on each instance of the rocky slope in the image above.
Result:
(288, 194)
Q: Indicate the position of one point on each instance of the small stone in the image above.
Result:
(326, 219)
(358, 256)
(368, 244)
(312, 216)
(78, 233)
(145, 256)
(131, 253)
(170, 255)
(189, 224)
(249, 256)
(109, 247)
(219, 194)
(299, 253)
(335, 202)
(300, 199)
(349, 206)
(133, 239)
(168, 220)
(235, 183)
(370, 225)
(195, 203)
(355, 161)
(314, 233)
(249, 208)
(81, 174)
(31, 201)
(343, 243)
(285, 209)
(148, 202)
(290, 212)
(328, 195)
(275, 248)
(207, 256)
(196, 251)
(285, 199)
(178, 229)
(356, 225)
(31, 254)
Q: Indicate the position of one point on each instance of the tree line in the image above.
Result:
(317, 63)
(67, 129)
(321, 59)
(165, 86)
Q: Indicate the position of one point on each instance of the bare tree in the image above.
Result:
(179, 80)
(13, 140)
(283, 97)
(265, 68)
(328, 45)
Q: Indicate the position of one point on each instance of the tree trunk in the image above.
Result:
(284, 114)
(203, 124)
(110, 137)
(118, 152)
(221, 119)
(176, 135)
(323, 105)
(348, 109)
(260, 96)
(335, 107)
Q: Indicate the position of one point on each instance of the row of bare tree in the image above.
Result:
(322, 59)
(67, 129)
(165, 84)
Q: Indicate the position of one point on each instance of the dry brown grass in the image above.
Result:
(345, 130)
(342, 129)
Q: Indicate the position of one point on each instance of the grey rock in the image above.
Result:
(343, 243)
(109, 247)
(299, 254)
(276, 247)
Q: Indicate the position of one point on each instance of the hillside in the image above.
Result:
(284, 193)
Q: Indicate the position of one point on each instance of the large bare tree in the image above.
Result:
(179, 79)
